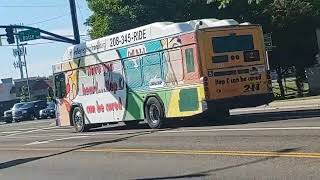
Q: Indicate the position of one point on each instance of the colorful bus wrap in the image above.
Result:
(160, 71)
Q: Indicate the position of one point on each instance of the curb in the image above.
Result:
(288, 108)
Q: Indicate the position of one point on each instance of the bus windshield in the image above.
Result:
(232, 43)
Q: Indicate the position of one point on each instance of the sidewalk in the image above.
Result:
(309, 103)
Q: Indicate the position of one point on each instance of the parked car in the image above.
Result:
(49, 111)
(28, 110)
(23, 111)
(38, 106)
(7, 115)
(15, 111)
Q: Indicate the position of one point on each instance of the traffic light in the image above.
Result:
(10, 35)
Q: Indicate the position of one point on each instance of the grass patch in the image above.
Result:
(291, 90)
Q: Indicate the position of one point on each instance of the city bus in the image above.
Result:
(161, 71)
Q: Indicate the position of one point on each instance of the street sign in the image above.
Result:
(268, 41)
(28, 35)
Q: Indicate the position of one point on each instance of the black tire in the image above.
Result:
(78, 120)
(131, 124)
(8, 121)
(154, 113)
(32, 117)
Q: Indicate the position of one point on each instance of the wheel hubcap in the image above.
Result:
(78, 119)
(154, 114)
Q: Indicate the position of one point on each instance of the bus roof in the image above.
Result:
(148, 32)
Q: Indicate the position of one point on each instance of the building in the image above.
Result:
(7, 95)
(38, 87)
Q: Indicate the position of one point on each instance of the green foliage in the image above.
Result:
(24, 94)
(292, 22)
(225, 3)
(112, 16)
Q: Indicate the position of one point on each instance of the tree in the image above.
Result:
(112, 16)
(50, 94)
(225, 3)
(24, 94)
(292, 22)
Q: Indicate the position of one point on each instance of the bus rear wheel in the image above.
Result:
(78, 120)
(154, 113)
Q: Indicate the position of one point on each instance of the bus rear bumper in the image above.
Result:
(241, 101)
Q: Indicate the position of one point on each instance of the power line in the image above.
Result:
(47, 20)
(33, 44)
(81, 15)
(82, 35)
(31, 6)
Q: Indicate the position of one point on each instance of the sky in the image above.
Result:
(50, 15)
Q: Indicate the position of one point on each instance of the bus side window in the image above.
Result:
(132, 67)
(172, 68)
(152, 70)
(60, 85)
(190, 60)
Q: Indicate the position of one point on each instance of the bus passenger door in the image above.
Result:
(63, 106)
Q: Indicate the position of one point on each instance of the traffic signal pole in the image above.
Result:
(74, 21)
(50, 35)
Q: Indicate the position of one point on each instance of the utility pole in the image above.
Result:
(74, 21)
(19, 55)
(25, 65)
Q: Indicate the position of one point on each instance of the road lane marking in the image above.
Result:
(241, 129)
(204, 130)
(179, 152)
(280, 109)
(9, 132)
(85, 135)
(54, 140)
(196, 152)
(26, 129)
(34, 130)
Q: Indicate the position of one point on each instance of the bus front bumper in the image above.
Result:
(242, 101)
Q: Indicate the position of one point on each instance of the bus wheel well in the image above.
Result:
(70, 113)
(153, 96)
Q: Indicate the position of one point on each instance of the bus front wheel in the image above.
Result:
(78, 120)
(154, 113)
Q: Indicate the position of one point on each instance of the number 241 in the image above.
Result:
(251, 87)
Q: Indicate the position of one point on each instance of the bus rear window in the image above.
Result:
(232, 43)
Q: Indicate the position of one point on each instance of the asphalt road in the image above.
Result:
(277, 145)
